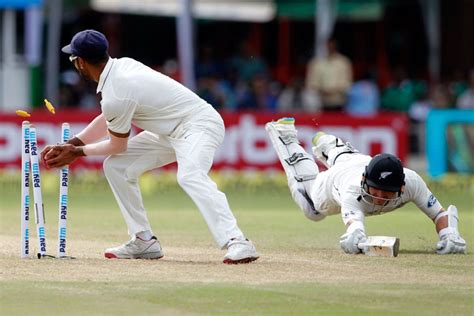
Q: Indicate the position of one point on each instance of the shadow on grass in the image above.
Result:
(201, 262)
(190, 262)
(419, 252)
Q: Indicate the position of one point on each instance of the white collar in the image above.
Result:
(105, 74)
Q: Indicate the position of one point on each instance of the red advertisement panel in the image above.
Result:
(246, 145)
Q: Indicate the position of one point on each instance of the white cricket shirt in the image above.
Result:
(341, 184)
(135, 93)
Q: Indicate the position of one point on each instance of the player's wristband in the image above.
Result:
(447, 231)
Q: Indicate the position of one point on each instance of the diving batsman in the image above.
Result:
(356, 186)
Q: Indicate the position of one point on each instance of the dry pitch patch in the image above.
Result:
(203, 265)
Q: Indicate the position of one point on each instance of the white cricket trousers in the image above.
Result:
(192, 145)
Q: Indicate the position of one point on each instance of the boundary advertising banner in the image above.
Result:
(449, 139)
(246, 145)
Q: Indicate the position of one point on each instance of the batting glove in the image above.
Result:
(451, 243)
(354, 235)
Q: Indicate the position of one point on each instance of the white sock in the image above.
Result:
(144, 235)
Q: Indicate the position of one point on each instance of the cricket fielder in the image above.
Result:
(356, 186)
(177, 126)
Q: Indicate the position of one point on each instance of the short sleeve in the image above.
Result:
(419, 193)
(119, 114)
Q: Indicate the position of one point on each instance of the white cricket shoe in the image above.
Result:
(316, 138)
(327, 148)
(240, 251)
(285, 128)
(136, 248)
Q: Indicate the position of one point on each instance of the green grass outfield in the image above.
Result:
(302, 270)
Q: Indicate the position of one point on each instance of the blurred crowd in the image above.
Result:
(244, 82)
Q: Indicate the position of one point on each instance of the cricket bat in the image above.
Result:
(380, 246)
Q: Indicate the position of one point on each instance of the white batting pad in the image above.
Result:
(299, 166)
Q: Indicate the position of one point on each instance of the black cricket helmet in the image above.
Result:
(385, 172)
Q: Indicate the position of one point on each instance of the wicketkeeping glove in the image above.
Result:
(354, 235)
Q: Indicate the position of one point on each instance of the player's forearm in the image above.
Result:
(104, 148)
(446, 221)
(441, 223)
(75, 141)
(353, 225)
(96, 130)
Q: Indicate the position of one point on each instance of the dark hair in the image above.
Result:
(97, 61)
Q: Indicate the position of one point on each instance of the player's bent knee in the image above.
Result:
(311, 215)
(186, 179)
(306, 205)
(112, 167)
(108, 165)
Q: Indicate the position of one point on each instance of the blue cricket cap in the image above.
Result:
(88, 44)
